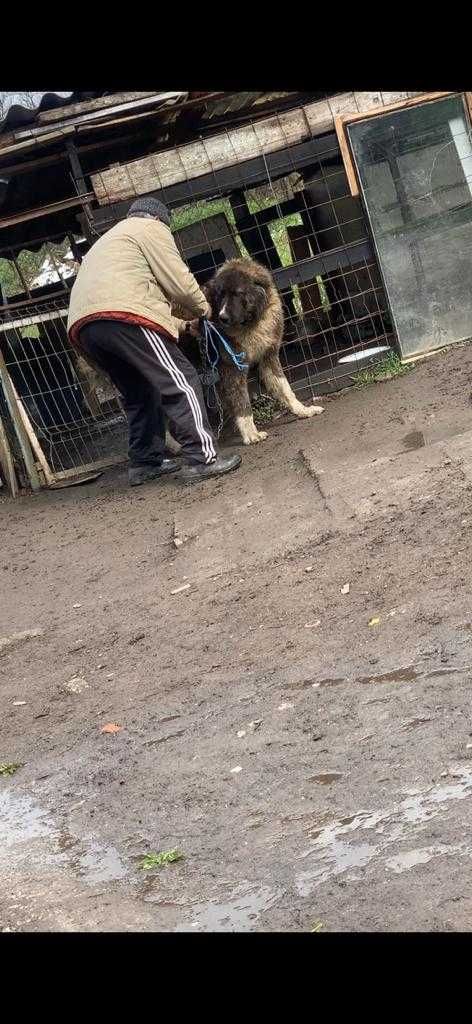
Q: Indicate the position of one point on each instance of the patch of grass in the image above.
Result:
(194, 213)
(264, 408)
(385, 369)
(9, 769)
(158, 860)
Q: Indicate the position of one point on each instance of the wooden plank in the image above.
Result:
(162, 99)
(35, 445)
(87, 106)
(395, 97)
(244, 175)
(160, 170)
(349, 167)
(468, 100)
(89, 467)
(6, 462)
(64, 204)
(413, 101)
(10, 398)
(29, 137)
(8, 144)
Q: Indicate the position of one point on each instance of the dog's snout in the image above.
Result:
(223, 314)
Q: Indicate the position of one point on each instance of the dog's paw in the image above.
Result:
(311, 410)
(255, 436)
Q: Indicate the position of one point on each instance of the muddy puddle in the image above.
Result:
(30, 839)
(337, 847)
(397, 675)
(326, 778)
(239, 912)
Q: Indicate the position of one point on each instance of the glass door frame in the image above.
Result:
(341, 124)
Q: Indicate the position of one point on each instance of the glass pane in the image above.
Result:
(415, 170)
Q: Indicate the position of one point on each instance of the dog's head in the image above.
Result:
(237, 297)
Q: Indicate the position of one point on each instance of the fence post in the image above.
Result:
(6, 461)
(18, 424)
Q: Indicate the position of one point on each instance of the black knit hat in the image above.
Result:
(153, 207)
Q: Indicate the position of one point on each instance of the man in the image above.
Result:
(121, 315)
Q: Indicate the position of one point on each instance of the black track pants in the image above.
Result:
(153, 376)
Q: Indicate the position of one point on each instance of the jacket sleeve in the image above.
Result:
(172, 274)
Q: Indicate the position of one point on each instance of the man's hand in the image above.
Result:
(193, 328)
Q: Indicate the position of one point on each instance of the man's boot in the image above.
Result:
(141, 474)
(222, 464)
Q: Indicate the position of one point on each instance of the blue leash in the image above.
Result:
(209, 331)
(210, 342)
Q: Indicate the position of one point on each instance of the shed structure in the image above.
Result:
(347, 199)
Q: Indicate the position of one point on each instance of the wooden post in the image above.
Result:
(19, 426)
(6, 461)
(79, 180)
(35, 445)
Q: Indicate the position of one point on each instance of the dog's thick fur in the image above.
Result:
(246, 307)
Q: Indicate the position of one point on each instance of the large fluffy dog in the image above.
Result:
(247, 308)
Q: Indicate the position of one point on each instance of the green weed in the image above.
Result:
(385, 369)
(158, 860)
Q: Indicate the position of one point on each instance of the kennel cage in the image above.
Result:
(292, 211)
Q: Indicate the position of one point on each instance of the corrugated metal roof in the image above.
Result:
(19, 116)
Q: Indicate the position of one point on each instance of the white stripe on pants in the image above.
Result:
(180, 381)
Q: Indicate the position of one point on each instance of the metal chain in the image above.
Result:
(209, 378)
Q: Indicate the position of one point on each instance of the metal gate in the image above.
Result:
(73, 418)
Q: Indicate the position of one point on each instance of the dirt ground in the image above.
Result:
(313, 766)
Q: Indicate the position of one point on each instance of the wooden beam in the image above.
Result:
(35, 445)
(90, 467)
(15, 415)
(468, 100)
(58, 158)
(45, 211)
(87, 106)
(6, 461)
(8, 144)
(348, 161)
(413, 101)
(162, 99)
(242, 175)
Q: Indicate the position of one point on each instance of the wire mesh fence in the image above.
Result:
(76, 416)
(300, 221)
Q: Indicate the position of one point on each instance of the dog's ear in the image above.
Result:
(261, 285)
(209, 291)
